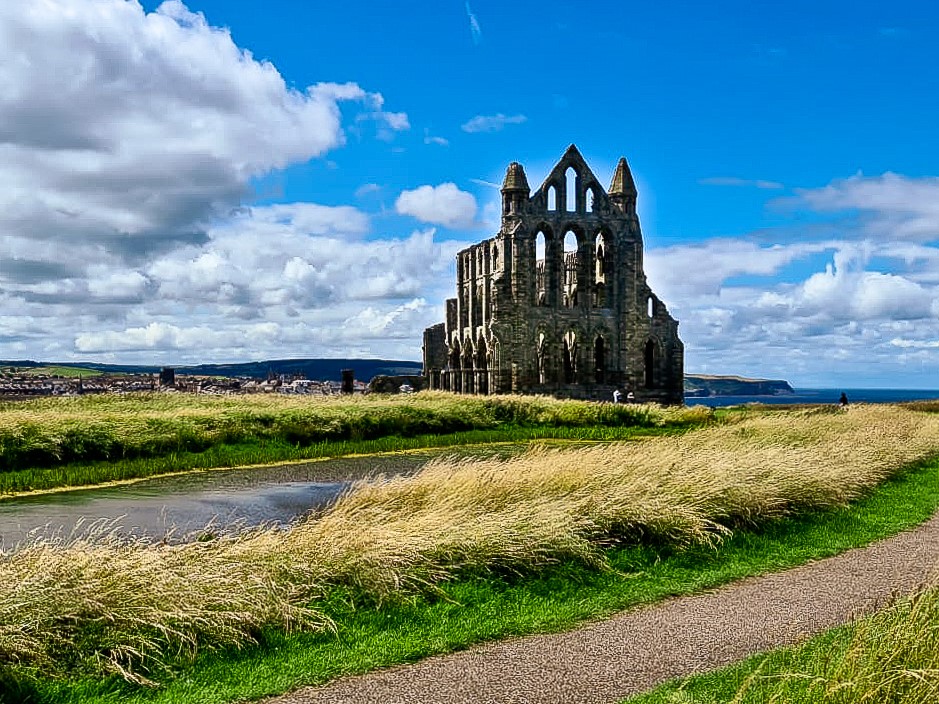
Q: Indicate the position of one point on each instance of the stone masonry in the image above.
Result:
(557, 302)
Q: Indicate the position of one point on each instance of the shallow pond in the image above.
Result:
(179, 508)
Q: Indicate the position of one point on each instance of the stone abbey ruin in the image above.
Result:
(557, 302)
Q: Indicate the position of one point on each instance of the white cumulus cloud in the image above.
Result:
(124, 132)
(443, 205)
(894, 206)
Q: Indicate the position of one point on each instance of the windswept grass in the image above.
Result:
(267, 452)
(133, 609)
(52, 432)
(892, 656)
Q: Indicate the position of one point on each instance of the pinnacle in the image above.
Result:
(515, 178)
(623, 183)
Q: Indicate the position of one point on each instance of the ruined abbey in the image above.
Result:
(557, 302)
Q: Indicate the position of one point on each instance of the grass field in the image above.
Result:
(892, 657)
(48, 432)
(83, 474)
(63, 372)
(105, 607)
(48, 443)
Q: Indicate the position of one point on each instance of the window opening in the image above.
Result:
(650, 364)
(599, 363)
(570, 182)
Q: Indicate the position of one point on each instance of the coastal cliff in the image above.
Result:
(699, 385)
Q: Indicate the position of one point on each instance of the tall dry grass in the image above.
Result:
(55, 431)
(127, 608)
(891, 657)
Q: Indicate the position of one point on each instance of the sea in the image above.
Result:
(821, 396)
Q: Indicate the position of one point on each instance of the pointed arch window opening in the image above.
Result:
(541, 355)
(570, 190)
(601, 293)
(482, 366)
(599, 359)
(588, 202)
(468, 372)
(649, 358)
(541, 272)
(571, 271)
(552, 198)
(569, 357)
(456, 367)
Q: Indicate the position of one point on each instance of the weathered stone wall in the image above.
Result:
(557, 302)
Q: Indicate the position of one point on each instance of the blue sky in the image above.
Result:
(225, 180)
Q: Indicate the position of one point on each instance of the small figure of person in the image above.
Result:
(617, 395)
(843, 401)
(630, 397)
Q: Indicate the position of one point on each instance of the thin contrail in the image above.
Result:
(475, 29)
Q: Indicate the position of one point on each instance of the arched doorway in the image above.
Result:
(599, 359)
(482, 366)
(541, 353)
(649, 358)
(569, 357)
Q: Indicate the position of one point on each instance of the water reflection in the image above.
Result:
(180, 508)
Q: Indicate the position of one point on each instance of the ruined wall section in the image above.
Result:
(435, 353)
(557, 302)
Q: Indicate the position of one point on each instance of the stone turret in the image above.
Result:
(623, 189)
(515, 189)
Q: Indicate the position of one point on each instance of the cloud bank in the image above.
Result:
(821, 305)
(128, 143)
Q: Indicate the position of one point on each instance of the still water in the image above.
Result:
(180, 508)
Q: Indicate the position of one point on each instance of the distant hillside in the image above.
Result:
(82, 366)
(698, 385)
(51, 370)
(316, 369)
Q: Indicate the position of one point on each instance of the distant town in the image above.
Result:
(322, 377)
(29, 382)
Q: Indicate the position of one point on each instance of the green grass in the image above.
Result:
(478, 608)
(56, 371)
(114, 429)
(890, 656)
(760, 675)
(273, 451)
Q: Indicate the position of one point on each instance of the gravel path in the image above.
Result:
(638, 649)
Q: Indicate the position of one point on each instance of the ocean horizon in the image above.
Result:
(821, 396)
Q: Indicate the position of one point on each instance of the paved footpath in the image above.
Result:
(634, 651)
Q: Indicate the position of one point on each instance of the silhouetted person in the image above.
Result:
(843, 401)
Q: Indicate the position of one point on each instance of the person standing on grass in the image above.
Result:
(843, 401)
(617, 395)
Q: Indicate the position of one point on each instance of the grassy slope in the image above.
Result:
(472, 610)
(56, 371)
(116, 430)
(85, 474)
(891, 656)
